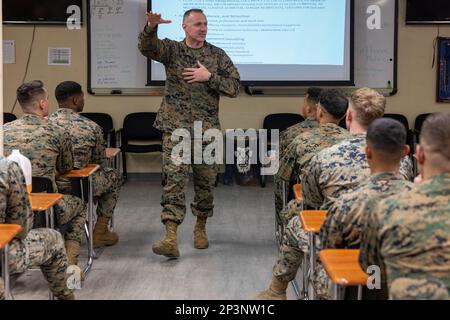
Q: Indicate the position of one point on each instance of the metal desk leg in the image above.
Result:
(312, 263)
(296, 289)
(305, 277)
(50, 218)
(335, 291)
(5, 272)
(359, 292)
(89, 227)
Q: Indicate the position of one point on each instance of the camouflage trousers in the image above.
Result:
(2, 289)
(293, 249)
(43, 248)
(106, 185)
(177, 177)
(291, 210)
(278, 192)
(71, 211)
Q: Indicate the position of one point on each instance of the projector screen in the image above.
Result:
(271, 42)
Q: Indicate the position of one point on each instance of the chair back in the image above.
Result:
(343, 123)
(400, 118)
(8, 117)
(105, 121)
(419, 122)
(139, 126)
(280, 121)
(42, 185)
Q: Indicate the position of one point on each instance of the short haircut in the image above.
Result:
(67, 89)
(29, 92)
(368, 105)
(334, 102)
(387, 135)
(187, 13)
(314, 94)
(435, 134)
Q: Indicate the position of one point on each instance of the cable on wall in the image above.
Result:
(28, 63)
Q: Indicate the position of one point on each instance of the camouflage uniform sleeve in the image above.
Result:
(370, 244)
(406, 168)
(14, 203)
(287, 162)
(331, 230)
(65, 159)
(99, 153)
(227, 79)
(152, 47)
(310, 176)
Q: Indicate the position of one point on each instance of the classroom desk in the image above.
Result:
(86, 173)
(45, 202)
(343, 268)
(7, 234)
(311, 221)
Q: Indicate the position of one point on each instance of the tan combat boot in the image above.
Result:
(200, 237)
(102, 235)
(169, 245)
(73, 251)
(70, 296)
(276, 291)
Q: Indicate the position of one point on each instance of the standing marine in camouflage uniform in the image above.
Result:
(342, 167)
(88, 148)
(288, 156)
(50, 151)
(42, 248)
(197, 74)
(331, 108)
(408, 235)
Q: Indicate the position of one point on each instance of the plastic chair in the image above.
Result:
(8, 117)
(343, 123)
(418, 123)
(280, 121)
(139, 127)
(409, 134)
(41, 185)
(105, 121)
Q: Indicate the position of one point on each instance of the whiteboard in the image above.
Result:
(115, 65)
